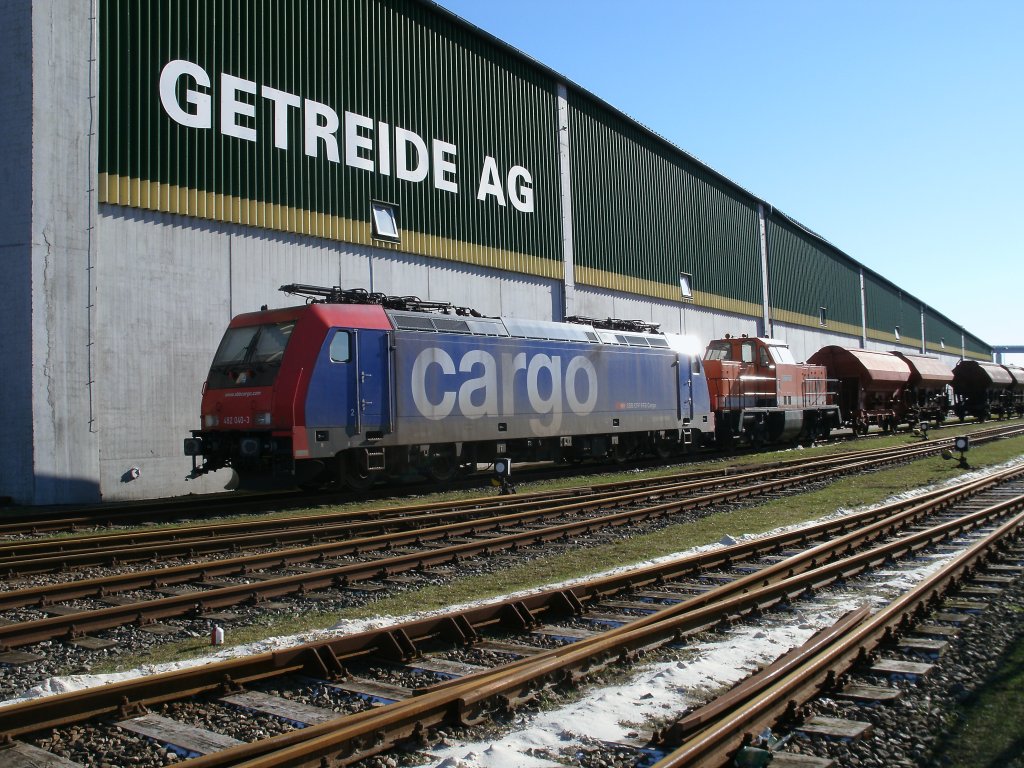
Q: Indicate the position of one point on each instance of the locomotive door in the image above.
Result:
(684, 387)
(370, 412)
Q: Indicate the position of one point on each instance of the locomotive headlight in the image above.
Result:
(262, 419)
(210, 420)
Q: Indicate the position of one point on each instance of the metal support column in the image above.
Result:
(766, 327)
(569, 283)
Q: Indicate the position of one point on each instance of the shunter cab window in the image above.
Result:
(341, 347)
(747, 350)
(250, 356)
(719, 350)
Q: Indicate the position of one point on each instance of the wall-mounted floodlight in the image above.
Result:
(384, 221)
(686, 285)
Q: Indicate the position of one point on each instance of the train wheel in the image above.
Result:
(619, 452)
(758, 435)
(352, 473)
(442, 467)
(663, 450)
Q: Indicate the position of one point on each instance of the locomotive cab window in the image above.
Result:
(763, 358)
(250, 356)
(271, 342)
(719, 350)
(747, 351)
(783, 355)
(341, 347)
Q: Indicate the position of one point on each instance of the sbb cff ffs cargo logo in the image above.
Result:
(481, 384)
(367, 144)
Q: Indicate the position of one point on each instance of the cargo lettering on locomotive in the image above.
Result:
(437, 387)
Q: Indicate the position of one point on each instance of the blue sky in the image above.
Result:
(895, 130)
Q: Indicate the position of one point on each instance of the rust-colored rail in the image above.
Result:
(351, 739)
(464, 700)
(191, 507)
(28, 557)
(72, 625)
(716, 745)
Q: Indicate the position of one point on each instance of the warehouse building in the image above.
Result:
(170, 163)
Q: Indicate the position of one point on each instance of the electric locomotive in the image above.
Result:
(353, 387)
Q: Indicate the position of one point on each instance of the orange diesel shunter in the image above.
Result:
(760, 394)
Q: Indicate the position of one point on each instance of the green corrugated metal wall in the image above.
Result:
(940, 334)
(804, 276)
(888, 308)
(977, 348)
(642, 210)
(396, 63)
(642, 215)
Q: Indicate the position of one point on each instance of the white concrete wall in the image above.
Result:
(168, 286)
(674, 317)
(63, 156)
(804, 342)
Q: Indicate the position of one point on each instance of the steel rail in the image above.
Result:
(716, 745)
(232, 533)
(146, 511)
(325, 657)
(73, 625)
(20, 558)
(675, 734)
(102, 586)
(346, 740)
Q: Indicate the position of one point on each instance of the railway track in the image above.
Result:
(193, 508)
(204, 589)
(20, 557)
(504, 655)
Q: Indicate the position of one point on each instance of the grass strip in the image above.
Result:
(845, 492)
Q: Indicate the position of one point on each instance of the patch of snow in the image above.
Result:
(62, 684)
